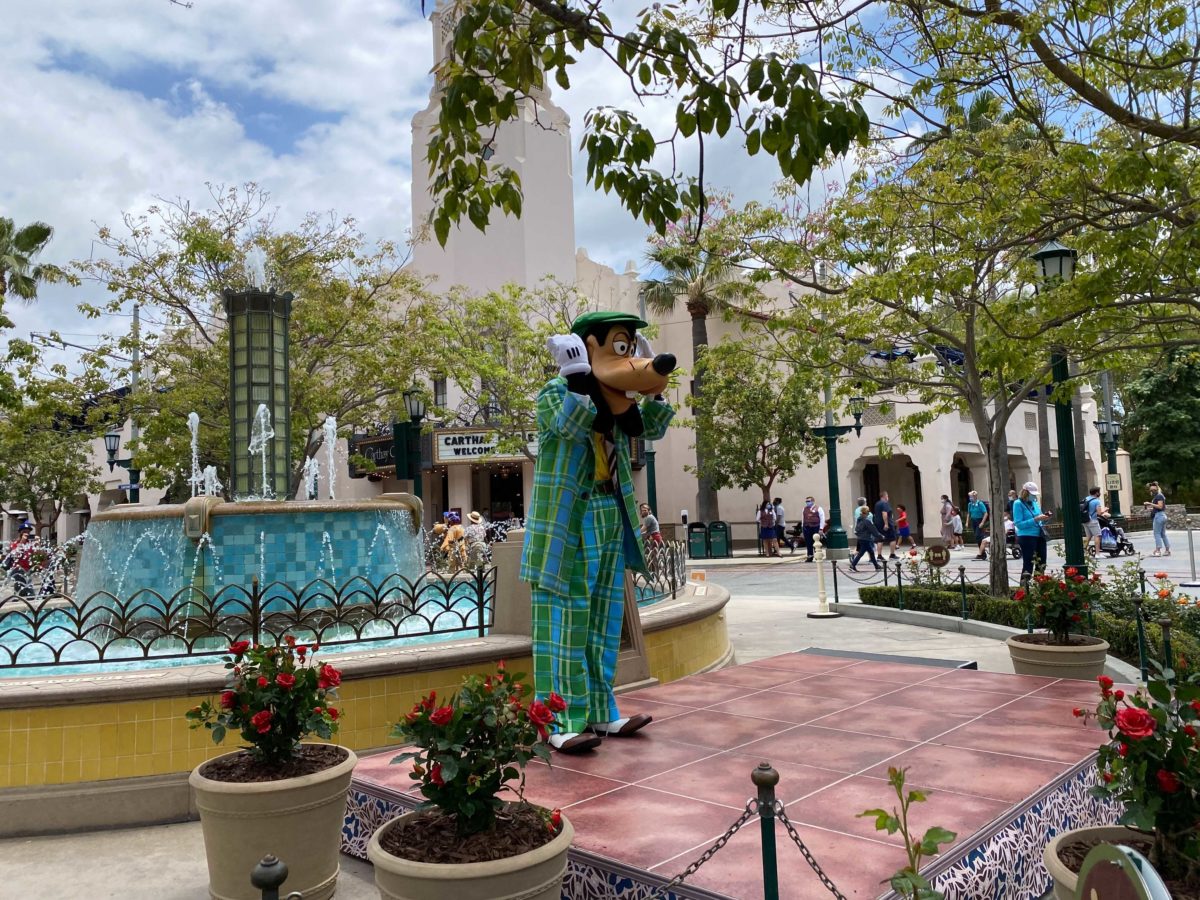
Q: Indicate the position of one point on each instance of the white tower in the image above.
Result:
(541, 243)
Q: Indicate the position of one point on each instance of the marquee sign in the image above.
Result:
(467, 445)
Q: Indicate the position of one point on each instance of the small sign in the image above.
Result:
(937, 555)
(127, 487)
(1112, 481)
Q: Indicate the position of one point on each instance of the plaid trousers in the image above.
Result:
(577, 636)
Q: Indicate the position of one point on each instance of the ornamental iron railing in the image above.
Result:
(666, 571)
(52, 629)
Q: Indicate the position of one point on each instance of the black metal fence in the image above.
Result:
(52, 629)
(666, 571)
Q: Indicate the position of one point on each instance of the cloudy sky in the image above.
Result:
(109, 105)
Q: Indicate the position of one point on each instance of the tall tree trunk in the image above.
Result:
(707, 509)
(1045, 464)
(1082, 473)
(997, 490)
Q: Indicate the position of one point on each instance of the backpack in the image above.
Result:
(1084, 508)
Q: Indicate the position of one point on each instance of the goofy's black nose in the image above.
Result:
(664, 363)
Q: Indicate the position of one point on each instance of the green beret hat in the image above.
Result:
(591, 319)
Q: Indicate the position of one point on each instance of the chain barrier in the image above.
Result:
(845, 573)
(663, 892)
(769, 809)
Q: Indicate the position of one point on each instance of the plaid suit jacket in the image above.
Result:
(563, 476)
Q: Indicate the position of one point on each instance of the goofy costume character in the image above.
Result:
(580, 532)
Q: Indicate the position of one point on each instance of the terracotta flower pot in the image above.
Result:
(1066, 881)
(1035, 657)
(299, 820)
(536, 875)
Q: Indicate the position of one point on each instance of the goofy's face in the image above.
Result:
(621, 375)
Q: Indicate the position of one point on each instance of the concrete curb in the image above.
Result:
(1113, 667)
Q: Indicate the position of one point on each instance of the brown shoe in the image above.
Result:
(580, 743)
(632, 725)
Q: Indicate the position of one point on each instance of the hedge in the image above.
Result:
(1121, 634)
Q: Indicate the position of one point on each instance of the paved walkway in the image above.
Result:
(766, 616)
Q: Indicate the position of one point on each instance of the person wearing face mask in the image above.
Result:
(812, 520)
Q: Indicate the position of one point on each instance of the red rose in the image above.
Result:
(1105, 681)
(435, 774)
(290, 641)
(1120, 695)
(1122, 750)
(1076, 618)
(539, 714)
(1070, 570)
(500, 666)
(328, 677)
(261, 721)
(1019, 595)
(285, 680)
(442, 715)
(301, 649)
(1079, 579)
(1189, 730)
(556, 820)
(1160, 575)
(228, 700)
(237, 648)
(428, 702)
(556, 703)
(333, 713)
(1195, 705)
(1135, 722)
(1077, 712)
(262, 681)
(1107, 776)
(317, 710)
(1167, 782)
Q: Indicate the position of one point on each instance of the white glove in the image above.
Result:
(643, 350)
(570, 353)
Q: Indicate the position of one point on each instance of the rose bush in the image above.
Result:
(276, 696)
(1151, 765)
(471, 748)
(1060, 603)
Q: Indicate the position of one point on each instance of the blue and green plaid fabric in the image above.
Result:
(577, 635)
(563, 480)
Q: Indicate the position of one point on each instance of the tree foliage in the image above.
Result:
(751, 418)
(505, 54)
(492, 349)
(20, 273)
(356, 323)
(1164, 414)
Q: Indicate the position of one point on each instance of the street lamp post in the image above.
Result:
(414, 402)
(1056, 264)
(1110, 437)
(112, 443)
(837, 543)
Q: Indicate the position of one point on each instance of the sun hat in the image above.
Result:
(1031, 487)
(475, 517)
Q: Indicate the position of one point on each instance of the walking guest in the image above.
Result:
(766, 528)
(902, 528)
(475, 534)
(885, 524)
(813, 522)
(1157, 504)
(1031, 536)
(651, 532)
(858, 505)
(956, 528)
(1091, 526)
(19, 561)
(781, 524)
(866, 535)
(946, 515)
(977, 513)
(1008, 504)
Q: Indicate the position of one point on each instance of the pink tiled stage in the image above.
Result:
(1001, 757)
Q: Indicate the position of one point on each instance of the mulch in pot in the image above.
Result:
(432, 837)
(1072, 853)
(243, 768)
(1047, 640)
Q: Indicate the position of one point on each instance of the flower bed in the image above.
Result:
(1121, 633)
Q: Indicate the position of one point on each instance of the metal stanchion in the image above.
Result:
(899, 586)
(823, 610)
(1143, 663)
(962, 589)
(765, 778)
(1193, 583)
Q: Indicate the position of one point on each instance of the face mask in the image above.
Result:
(808, 503)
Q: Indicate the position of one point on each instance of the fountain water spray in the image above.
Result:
(311, 477)
(261, 435)
(195, 480)
(329, 427)
(212, 485)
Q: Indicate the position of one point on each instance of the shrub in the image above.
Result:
(275, 697)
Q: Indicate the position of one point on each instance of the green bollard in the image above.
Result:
(1165, 624)
(962, 589)
(899, 585)
(765, 778)
(1143, 663)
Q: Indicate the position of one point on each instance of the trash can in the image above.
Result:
(697, 540)
(719, 544)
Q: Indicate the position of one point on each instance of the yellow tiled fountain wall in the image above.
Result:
(126, 739)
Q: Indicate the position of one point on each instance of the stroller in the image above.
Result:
(1112, 539)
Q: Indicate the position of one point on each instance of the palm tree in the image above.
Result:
(706, 283)
(18, 249)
